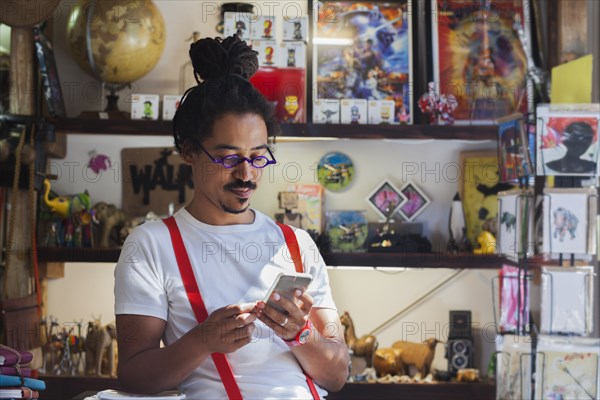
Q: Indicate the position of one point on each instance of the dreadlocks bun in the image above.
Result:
(216, 58)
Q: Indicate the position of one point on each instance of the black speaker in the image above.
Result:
(460, 325)
(459, 353)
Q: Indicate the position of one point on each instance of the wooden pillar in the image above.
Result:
(22, 100)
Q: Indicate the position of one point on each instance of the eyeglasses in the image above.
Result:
(233, 159)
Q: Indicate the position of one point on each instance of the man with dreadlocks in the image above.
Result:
(196, 279)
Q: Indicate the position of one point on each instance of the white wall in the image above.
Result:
(371, 297)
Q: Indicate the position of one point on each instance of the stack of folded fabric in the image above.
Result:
(15, 376)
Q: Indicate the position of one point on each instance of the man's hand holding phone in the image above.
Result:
(286, 306)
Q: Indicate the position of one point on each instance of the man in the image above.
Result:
(221, 130)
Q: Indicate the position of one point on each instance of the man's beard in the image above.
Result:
(233, 210)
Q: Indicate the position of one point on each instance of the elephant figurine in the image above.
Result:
(98, 344)
(108, 218)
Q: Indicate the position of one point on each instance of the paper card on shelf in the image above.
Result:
(267, 52)
(295, 28)
(144, 106)
(572, 81)
(381, 112)
(353, 111)
(292, 55)
(237, 23)
(111, 394)
(567, 305)
(170, 104)
(263, 28)
(326, 111)
(310, 205)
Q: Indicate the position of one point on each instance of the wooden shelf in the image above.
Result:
(407, 260)
(164, 128)
(416, 391)
(486, 390)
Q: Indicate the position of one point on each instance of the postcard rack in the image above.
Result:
(521, 324)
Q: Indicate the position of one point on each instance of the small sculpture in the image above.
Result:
(65, 206)
(420, 355)
(365, 346)
(388, 361)
(98, 342)
(108, 217)
(487, 243)
(438, 107)
(289, 201)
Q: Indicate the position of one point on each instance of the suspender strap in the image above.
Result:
(193, 293)
(294, 248)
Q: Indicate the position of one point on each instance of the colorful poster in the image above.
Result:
(362, 50)
(478, 57)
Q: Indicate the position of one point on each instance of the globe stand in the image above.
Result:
(112, 108)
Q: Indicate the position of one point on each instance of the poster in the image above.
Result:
(363, 50)
(478, 57)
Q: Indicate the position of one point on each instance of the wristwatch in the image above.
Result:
(302, 336)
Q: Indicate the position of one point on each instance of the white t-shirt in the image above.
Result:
(232, 264)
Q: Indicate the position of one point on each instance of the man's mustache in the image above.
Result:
(239, 184)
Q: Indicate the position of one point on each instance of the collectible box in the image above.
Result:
(295, 28)
(144, 106)
(267, 52)
(237, 23)
(353, 111)
(326, 111)
(263, 28)
(292, 55)
(170, 104)
(381, 111)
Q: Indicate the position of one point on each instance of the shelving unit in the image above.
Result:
(309, 130)
(405, 260)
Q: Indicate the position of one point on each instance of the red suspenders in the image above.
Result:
(195, 298)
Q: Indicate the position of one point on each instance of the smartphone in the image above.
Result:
(285, 284)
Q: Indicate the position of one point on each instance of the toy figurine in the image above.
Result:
(148, 113)
(267, 25)
(291, 107)
(385, 115)
(420, 355)
(365, 346)
(269, 55)
(240, 29)
(487, 243)
(328, 114)
(354, 115)
(291, 60)
(439, 108)
(297, 31)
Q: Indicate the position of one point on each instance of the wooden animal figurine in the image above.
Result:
(108, 217)
(418, 354)
(99, 340)
(388, 361)
(363, 347)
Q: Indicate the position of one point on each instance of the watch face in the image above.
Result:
(304, 336)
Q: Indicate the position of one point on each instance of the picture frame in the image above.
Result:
(515, 160)
(479, 188)
(363, 50)
(465, 36)
(515, 223)
(568, 225)
(385, 199)
(567, 140)
(416, 201)
(347, 230)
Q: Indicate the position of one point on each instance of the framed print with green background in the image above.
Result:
(478, 57)
(480, 187)
(335, 171)
(347, 230)
(363, 50)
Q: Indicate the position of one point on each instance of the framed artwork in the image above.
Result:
(363, 50)
(385, 199)
(416, 201)
(479, 190)
(478, 57)
(567, 368)
(347, 230)
(515, 223)
(567, 142)
(335, 171)
(514, 157)
(567, 223)
(567, 300)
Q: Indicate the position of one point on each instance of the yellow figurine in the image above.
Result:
(487, 243)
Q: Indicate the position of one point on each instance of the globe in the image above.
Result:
(126, 38)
